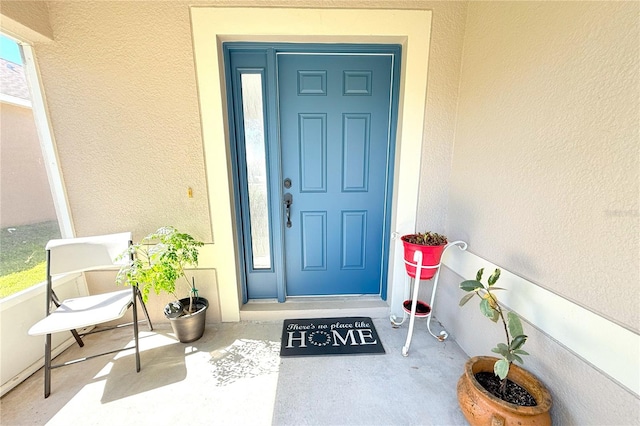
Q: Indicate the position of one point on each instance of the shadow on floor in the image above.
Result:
(234, 375)
(161, 366)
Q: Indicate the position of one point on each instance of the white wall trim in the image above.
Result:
(47, 142)
(13, 100)
(38, 291)
(612, 349)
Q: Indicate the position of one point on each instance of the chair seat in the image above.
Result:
(84, 312)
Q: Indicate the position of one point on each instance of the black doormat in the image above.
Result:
(330, 336)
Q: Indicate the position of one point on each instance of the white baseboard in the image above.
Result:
(609, 347)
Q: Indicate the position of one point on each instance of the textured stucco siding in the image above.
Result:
(120, 84)
(544, 179)
(545, 176)
(26, 19)
(445, 57)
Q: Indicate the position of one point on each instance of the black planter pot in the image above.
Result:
(189, 328)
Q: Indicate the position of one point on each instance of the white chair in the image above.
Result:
(73, 255)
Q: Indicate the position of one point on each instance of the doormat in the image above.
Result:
(330, 336)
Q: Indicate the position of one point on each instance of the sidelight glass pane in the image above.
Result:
(252, 109)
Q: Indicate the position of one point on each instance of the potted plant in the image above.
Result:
(431, 244)
(159, 262)
(493, 389)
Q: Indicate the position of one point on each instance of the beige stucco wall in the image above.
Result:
(121, 91)
(120, 84)
(545, 176)
(27, 19)
(445, 55)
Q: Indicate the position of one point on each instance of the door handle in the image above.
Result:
(288, 200)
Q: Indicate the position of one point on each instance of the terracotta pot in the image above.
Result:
(430, 257)
(482, 408)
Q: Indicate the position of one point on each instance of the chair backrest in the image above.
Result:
(87, 253)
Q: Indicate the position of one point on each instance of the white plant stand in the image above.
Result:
(417, 258)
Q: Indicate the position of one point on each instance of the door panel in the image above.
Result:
(334, 113)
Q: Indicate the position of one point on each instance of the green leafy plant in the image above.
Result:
(490, 308)
(159, 262)
(426, 239)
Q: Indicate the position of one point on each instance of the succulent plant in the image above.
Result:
(426, 239)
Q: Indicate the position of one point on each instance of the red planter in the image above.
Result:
(430, 257)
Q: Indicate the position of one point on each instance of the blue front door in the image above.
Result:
(312, 133)
(334, 127)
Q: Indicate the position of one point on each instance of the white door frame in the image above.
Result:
(211, 26)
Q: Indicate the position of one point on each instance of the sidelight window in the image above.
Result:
(256, 166)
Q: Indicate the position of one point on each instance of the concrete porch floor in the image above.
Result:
(233, 375)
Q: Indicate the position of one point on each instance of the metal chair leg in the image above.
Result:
(77, 337)
(135, 329)
(47, 366)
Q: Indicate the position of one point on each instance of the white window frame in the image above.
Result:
(47, 142)
(50, 158)
(21, 353)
